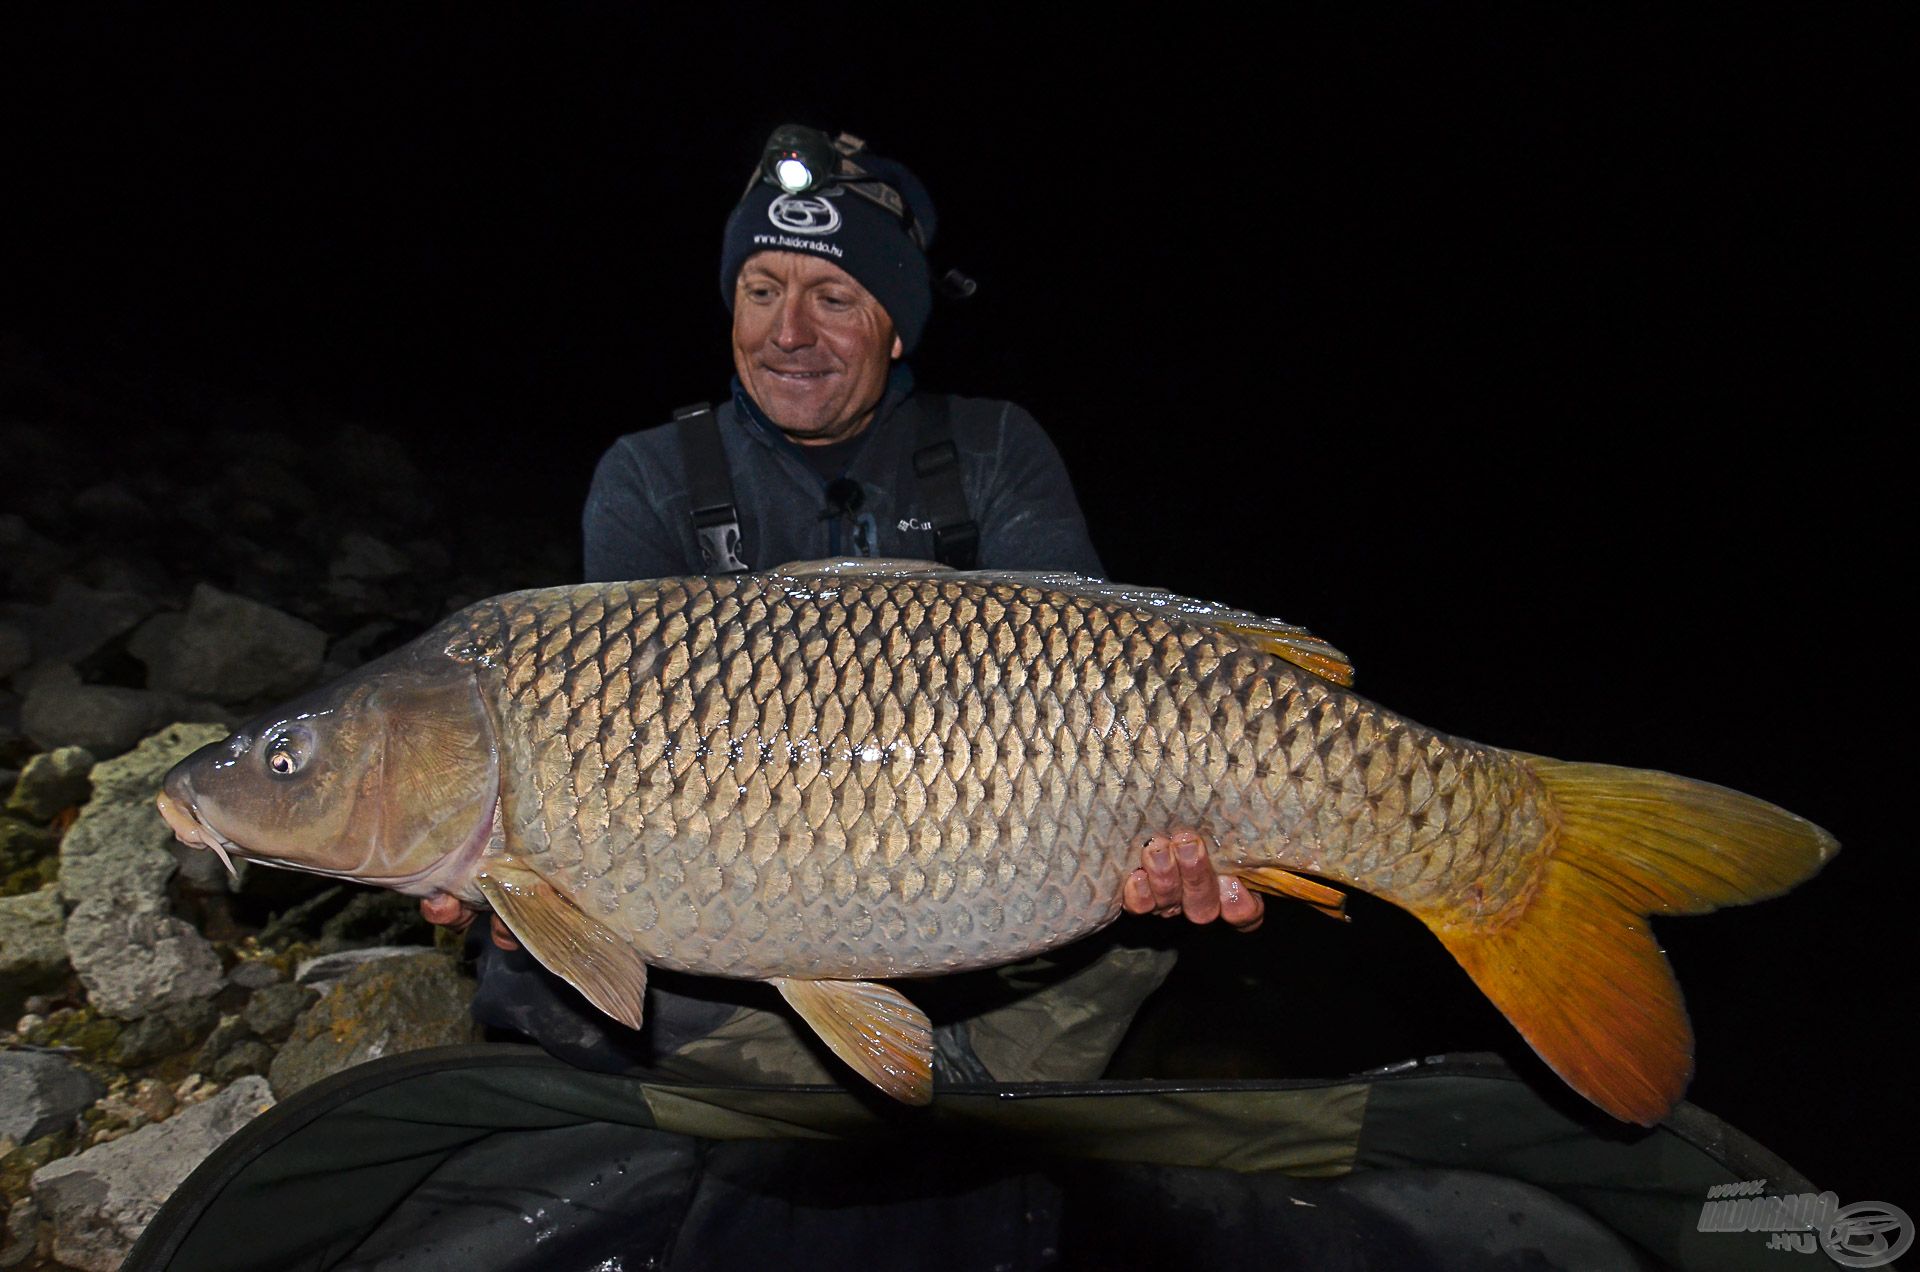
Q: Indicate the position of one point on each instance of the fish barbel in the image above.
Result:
(840, 772)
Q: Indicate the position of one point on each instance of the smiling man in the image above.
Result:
(825, 449)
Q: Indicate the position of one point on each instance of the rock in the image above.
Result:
(165, 1032)
(380, 1009)
(41, 1093)
(50, 783)
(105, 719)
(154, 1098)
(23, 1233)
(33, 953)
(82, 1030)
(255, 973)
(99, 1201)
(80, 620)
(233, 649)
(271, 1011)
(118, 848)
(248, 1056)
(231, 1031)
(16, 649)
(136, 962)
(361, 556)
(22, 844)
(375, 917)
(326, 971)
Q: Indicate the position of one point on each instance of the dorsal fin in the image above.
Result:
(1296, 645)
(1299, 647)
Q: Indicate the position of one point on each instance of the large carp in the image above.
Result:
(833, 773)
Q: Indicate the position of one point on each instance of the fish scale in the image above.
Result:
(841, 771)
(776, 734)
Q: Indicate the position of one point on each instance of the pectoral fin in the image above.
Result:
(1276, 882)
(886, 1039)
(583, 951)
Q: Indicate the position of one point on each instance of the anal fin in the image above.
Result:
(886, 1039)
(1276, 882)
(580, 949)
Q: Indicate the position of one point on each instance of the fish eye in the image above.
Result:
(287, 751)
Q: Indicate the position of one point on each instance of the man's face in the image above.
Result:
(812, 345)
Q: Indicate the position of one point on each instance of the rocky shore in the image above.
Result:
(158, 585)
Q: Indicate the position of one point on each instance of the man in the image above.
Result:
(825, 450)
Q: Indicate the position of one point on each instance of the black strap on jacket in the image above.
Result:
(936, 464)
(716, 522)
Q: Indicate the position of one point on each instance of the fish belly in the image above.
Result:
(871, 777)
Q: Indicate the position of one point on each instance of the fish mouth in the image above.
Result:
(191, 829)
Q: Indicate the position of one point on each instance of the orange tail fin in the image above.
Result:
(1574, 966)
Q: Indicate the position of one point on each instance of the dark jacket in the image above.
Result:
(638, 519)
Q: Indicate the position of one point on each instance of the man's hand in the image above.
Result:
(456, 915)
(1177, 878)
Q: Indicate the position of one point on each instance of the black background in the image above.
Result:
(1545, 363)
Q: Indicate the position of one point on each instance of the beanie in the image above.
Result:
(849, 229)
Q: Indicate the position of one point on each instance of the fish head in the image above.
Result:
(389, 776)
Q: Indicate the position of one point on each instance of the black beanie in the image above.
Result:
(850, 230)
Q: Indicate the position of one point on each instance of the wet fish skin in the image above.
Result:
(830, 773)
(846, 777)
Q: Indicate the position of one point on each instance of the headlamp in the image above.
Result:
(799, 159)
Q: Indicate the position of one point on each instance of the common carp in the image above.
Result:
(838, 773)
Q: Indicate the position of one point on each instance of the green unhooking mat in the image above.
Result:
(500, 1158)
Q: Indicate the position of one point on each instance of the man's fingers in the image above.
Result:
(445, 911)
(1136, 895)
(1199, 887)
(503, 935)
(1241, 907)
(1163, 874)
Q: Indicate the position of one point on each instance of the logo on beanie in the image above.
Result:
(804, 214)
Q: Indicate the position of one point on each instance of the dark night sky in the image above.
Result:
(1541, 361)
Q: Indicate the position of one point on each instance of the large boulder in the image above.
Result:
(101, 1200)
(231, 649)
(380, 1009)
